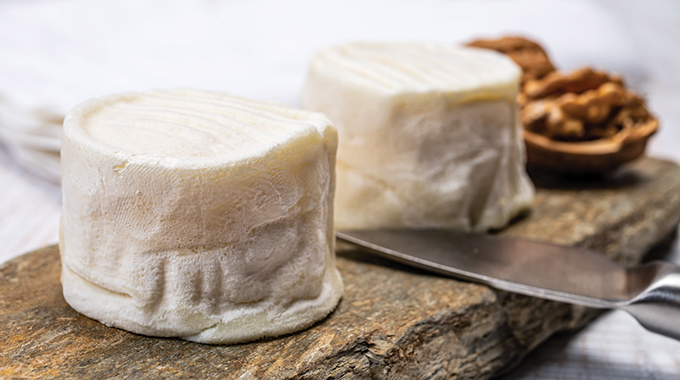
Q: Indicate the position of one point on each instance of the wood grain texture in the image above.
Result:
(393, 322)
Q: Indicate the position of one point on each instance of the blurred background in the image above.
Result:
(57, 53)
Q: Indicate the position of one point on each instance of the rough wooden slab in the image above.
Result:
(393, 321)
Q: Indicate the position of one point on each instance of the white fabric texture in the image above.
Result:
(59, 53)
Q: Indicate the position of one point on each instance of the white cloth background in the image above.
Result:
(57, 53)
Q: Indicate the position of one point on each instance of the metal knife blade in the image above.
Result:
(545, 270)
(650, 292)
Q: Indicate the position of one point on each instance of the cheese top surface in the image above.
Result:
(193, 126)
(416, 67)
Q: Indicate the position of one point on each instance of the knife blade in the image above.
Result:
(650, 292)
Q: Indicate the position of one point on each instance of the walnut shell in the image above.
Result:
(584, 121)
(588, 157)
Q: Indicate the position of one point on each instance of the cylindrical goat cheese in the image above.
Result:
(429, 135)
(198, 215)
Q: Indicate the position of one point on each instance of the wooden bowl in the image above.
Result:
(588, 157)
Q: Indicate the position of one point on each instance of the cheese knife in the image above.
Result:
(649, 292)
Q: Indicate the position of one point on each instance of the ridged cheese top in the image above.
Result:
(194, 126)
(418, 67)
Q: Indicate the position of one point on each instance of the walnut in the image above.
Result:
(592, 114)
(529, 55)
(580, 106)
(576, 82)
(585, 105)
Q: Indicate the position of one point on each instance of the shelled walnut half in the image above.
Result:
(583, 121)
(528, 54)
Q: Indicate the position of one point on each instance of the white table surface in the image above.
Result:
(613, 347)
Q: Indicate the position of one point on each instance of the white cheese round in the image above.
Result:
(429, 135)
(198, 215)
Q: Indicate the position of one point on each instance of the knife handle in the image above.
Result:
(657, 307)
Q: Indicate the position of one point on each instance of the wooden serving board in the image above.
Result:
(393, 321)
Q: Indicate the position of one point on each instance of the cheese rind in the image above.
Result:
(198, 215)
(429, 135)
